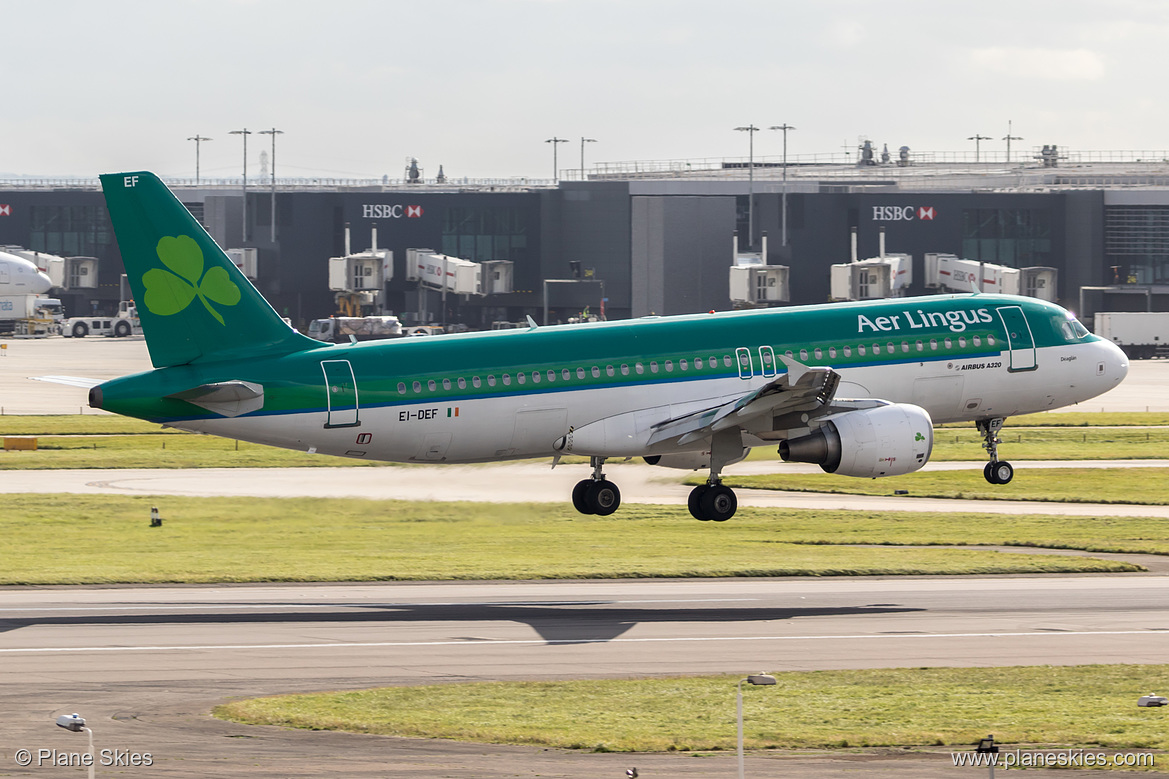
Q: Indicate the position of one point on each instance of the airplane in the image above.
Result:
(19, 276)
(853, 387)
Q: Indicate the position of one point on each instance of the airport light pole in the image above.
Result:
(583, 141)
(750, 130)
(759, 679)
(977, 138)
(198, 139)
(245, 133)
(1008, 138)
(783, 234)
(555, 165)
(273, 132)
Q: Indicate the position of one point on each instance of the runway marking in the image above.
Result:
(479, 643)
(213, 607)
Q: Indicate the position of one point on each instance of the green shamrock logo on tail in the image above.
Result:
(170, 291)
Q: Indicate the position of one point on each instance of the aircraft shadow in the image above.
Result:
(558, 624)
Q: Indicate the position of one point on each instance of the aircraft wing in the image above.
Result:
(72, 381)
(799, 394)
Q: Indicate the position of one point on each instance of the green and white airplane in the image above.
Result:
(854, 388)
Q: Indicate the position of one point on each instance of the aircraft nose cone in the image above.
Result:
(1115, 362)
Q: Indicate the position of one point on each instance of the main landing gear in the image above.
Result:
(713, 501)
(996, 471)
(596, 495)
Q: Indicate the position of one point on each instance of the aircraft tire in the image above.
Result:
(579, 496)
(694, 502)
(988, 473)
(719, 503)
(603, 498)
(1003, 472)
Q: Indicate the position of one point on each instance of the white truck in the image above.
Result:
(124, 324)
(32, 315)
(339, 329)
(1141, 334)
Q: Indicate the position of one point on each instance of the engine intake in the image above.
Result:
(888, 440)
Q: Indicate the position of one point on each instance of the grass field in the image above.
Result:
(1149, 486)
(1078, 706)
(76, 539)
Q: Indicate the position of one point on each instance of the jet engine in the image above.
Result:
(889, 440)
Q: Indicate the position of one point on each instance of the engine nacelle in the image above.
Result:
(888, 440)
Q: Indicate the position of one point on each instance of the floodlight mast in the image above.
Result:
(750, 130)
(245, 133)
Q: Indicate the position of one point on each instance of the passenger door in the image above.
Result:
(340, 394)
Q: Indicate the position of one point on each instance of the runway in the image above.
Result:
(145, 662)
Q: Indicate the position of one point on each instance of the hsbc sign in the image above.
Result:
(386, 211)
(904, 213)
(5, 209)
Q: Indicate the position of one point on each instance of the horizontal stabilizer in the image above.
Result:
(72, 381)
(226, 398)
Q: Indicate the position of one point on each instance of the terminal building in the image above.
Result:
(641, 239)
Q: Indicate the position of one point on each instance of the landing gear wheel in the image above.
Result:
(1000, 472)
(719, 503)
(695, 502)
(602, 497)
(579, 496)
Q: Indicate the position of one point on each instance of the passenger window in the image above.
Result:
(683, 364)
(977, 340)
(726, 360)
(933, 344)
(491, 380)
(789, 354)
(990, 340)
(640, 368)
(848, 351)
(446, 384)
(462, 383)
(949, 343)
(580, 373)
(521, 378)
(697, 363)
(804, 355)
(861, 350)
(669, 366)
(653, 366)
(890, 348)
(418, 386)
(596, 372)
(832, 352)
(920, 346)
(905, 346)
(819, 353)
(430, 385)
(401, 388)
(535, 377)
(609, 370)
(507, 379)
(624, 369)
(475, 382)
(962, 341)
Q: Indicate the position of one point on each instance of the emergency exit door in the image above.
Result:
(340, 394)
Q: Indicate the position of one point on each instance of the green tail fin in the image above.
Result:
(194, 304)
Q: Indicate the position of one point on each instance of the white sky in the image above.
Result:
(478, 85)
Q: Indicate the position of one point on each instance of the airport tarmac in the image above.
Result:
(145, 664)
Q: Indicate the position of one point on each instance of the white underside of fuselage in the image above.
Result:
(518, 426)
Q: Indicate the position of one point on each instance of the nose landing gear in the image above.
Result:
(996, 471)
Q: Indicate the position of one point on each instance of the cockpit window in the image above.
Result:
(1071, 328)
